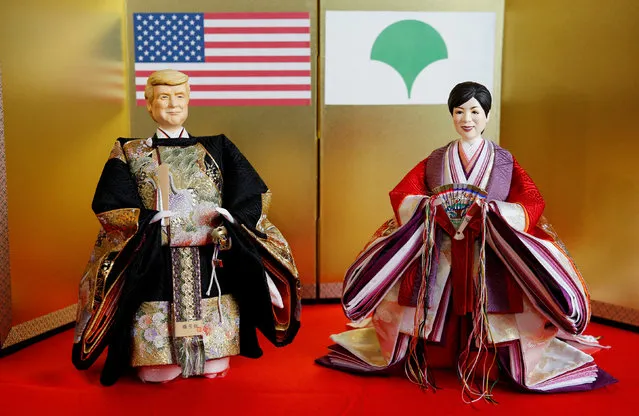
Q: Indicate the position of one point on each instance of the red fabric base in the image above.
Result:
(41, 380)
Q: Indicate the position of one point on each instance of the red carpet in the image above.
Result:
(41, 380)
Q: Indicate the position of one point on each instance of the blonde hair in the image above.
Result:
(165, 77)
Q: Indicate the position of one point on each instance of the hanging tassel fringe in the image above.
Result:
(473, 391)
(190, 352)
(416, 366)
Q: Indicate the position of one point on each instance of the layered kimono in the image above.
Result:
(168, 292)
(492, 288)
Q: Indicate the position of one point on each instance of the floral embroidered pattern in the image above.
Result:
(152, 331)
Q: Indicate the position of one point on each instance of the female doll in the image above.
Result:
(469, 275)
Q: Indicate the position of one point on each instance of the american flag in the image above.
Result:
(230, 58)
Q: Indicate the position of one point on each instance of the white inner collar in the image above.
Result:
(470, 146)
(176, 134)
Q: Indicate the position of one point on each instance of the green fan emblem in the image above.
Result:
(409, 46)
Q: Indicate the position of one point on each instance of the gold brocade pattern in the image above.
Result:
(189, 350)
(38, 326)
(152, 328)
(117, 152)
(5, 274)
(195, 188)
(193, 165)
(118, 226)
(186, 283)
(143, 165)
(275, 243)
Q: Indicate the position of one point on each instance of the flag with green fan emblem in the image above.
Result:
(395, 58)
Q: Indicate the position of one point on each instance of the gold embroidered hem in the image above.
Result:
(118, 227)
(152, 336)
(275, 243)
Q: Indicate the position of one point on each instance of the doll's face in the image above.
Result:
(470, 119)
(170, 105)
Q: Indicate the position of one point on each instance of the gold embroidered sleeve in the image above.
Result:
(117, 228)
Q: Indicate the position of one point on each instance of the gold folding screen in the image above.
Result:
(569, 92)
(63, 99)
(562, 111)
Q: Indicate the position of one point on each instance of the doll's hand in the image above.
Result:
(220, 237)
(162, 214)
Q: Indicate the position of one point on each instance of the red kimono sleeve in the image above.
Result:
(524, 192)
(414, 183)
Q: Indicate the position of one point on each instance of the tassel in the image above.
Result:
(416, 367)
(188, 343)
(190, 352)
(480, 334)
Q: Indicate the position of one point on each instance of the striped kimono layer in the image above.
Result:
(504, 284)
